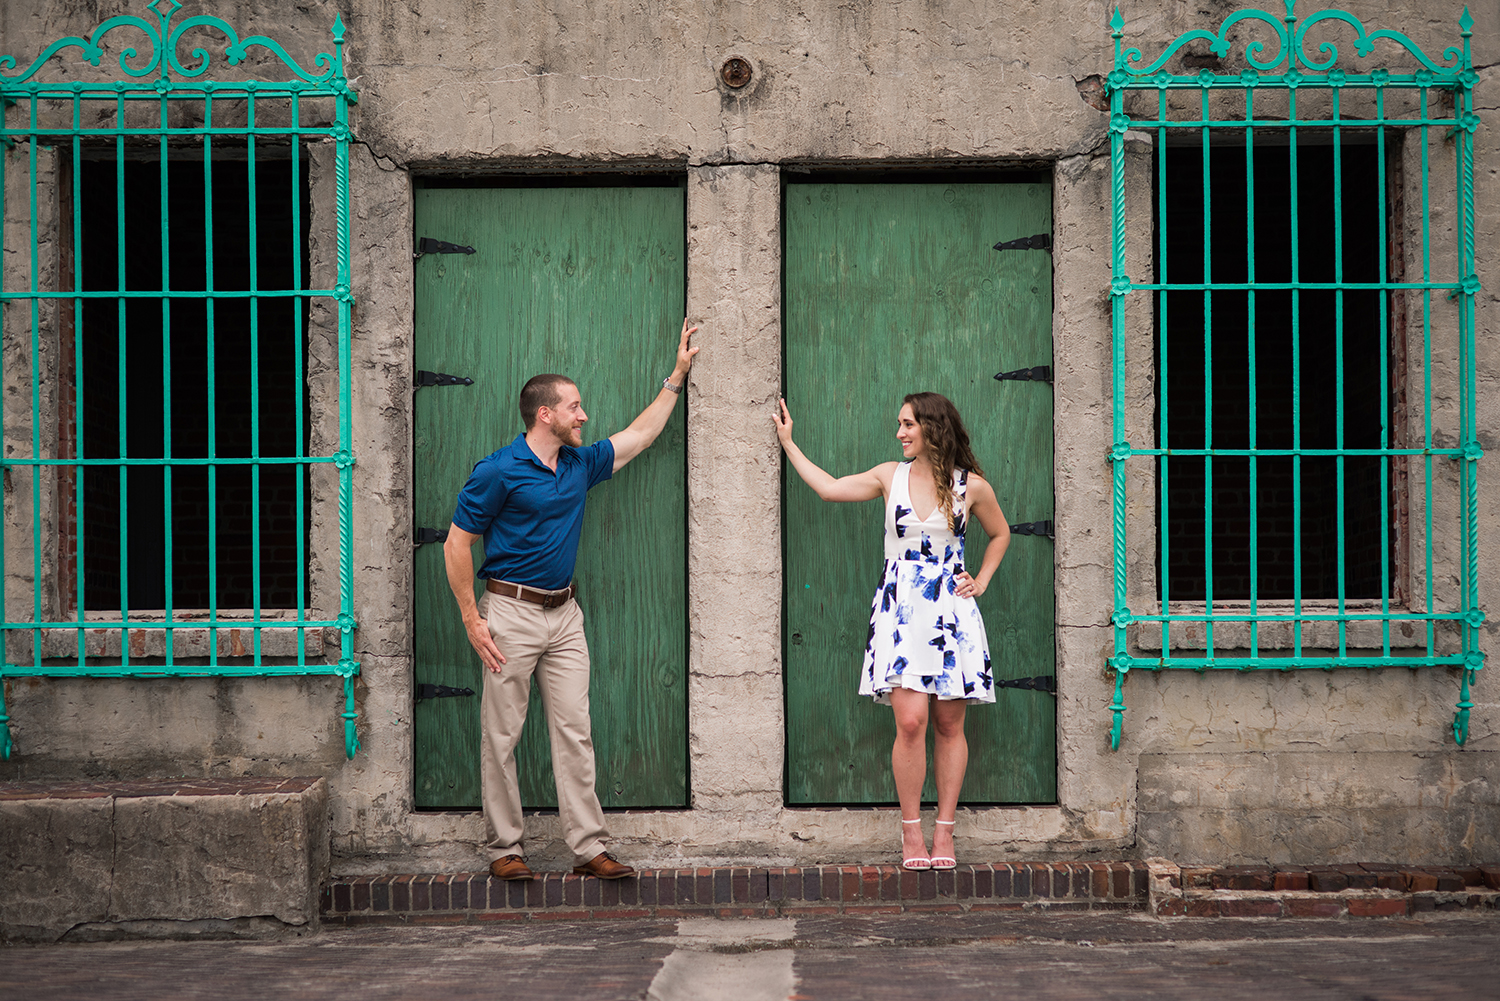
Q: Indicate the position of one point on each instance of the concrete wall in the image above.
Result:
(466, 86)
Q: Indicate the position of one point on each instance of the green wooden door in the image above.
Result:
(588, 282)
(892, 289)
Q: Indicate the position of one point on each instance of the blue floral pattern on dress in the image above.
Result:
(923, 636)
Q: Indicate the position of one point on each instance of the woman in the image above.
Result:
(927, 655)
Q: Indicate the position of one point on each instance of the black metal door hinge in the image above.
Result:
(1033, 528)
(427, 245)
(1042, 241)
(425, 378)
(1037, 373)
(425, 535)
(441, 692)
(1046, 683)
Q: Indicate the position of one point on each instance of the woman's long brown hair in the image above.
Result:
(947, 443)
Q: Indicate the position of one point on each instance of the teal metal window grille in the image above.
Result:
(81, 157)
(1378, 504)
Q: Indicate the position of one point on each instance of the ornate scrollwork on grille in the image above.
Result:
(1291, 41)
(91, 49)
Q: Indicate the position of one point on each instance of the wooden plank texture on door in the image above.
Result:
(587, 282)
(892, 289)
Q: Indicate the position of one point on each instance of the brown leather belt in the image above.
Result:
(547, 599)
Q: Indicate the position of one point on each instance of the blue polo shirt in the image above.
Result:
(530, 516)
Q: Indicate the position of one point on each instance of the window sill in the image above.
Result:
(233, 638)
(1359, 634)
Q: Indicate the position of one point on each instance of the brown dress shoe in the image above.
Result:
(605, 867)
(510, 867)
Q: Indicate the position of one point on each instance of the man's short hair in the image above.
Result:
(541, 391)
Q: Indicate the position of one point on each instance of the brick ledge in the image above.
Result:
(1369, 889)
(737, 891)
(1156, 886)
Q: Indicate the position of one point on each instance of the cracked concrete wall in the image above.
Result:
(32, 260)
(373, 791)
(734, 504)
(469, 87)
(1096, 787)
(1384, 806)
(600, 80)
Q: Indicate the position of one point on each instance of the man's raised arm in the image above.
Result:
(636, 438)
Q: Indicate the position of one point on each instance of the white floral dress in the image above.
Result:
(923, 636)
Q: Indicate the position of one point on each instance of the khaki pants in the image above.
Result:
(549, 643)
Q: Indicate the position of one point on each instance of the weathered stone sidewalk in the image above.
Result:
(912, 956)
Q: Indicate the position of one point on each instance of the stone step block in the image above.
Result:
(184, 858)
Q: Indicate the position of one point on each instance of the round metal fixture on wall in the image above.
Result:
(736, 72)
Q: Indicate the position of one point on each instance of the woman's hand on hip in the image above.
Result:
(967, 587)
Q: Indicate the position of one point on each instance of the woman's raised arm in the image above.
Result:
(870, 484)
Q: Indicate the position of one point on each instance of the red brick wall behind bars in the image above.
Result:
(166, 388)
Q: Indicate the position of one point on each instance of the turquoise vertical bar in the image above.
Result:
(1119, 283)
(1386, 299)
(1208, 378)
(122, 379)
(1338, 367)
(299, 304)
(1251, 373)
(164, 152)
(252, 210)
(1296, 366)
(345, 464)
(1163, 362)
(211, 375)
(1473, 617)
(36, 399)
(1427, 371)
(79, 508)
(6, 152)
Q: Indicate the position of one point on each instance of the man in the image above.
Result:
(526, 502)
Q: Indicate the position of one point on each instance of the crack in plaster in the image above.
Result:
(700, 673)
(114, 849)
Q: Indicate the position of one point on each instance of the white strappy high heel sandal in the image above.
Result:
(944, 861)
(916, 863)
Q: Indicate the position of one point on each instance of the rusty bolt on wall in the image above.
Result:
(735, 72)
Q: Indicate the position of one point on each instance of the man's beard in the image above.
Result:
(572, 436)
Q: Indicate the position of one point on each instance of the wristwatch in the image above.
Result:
(667, 385)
